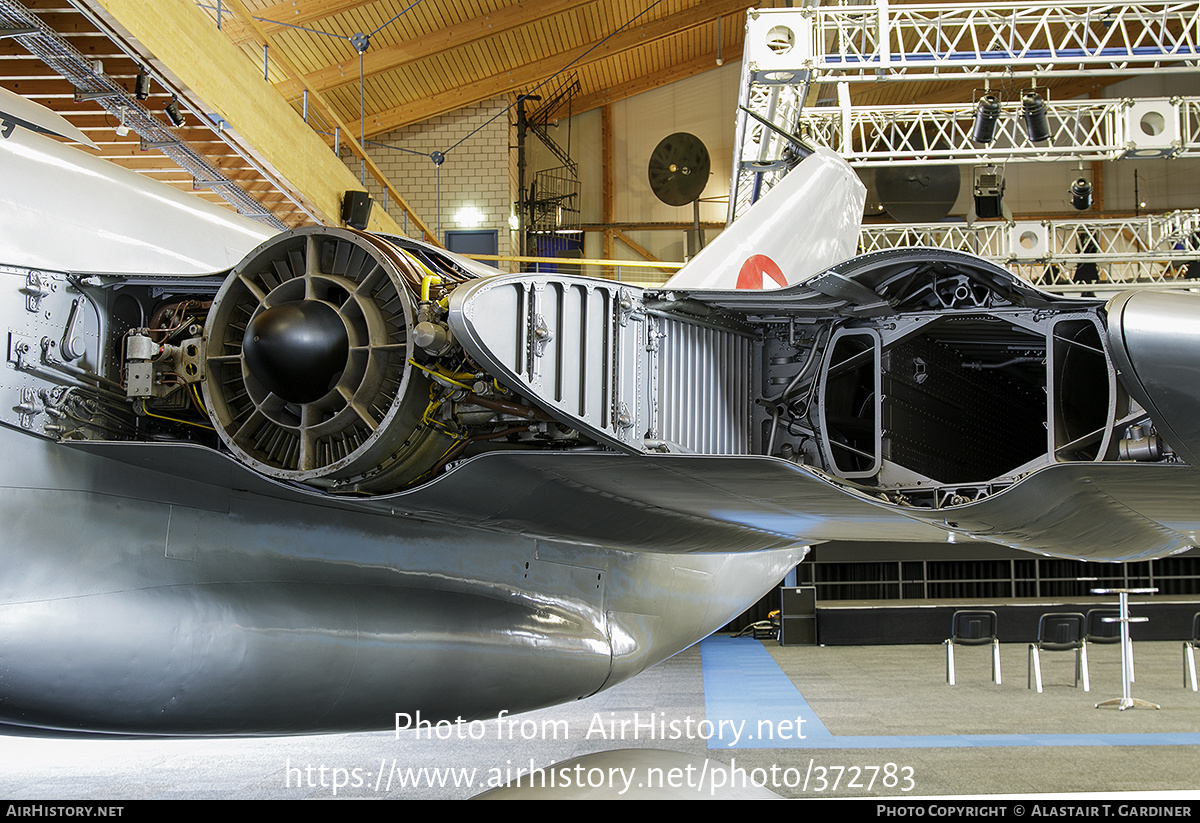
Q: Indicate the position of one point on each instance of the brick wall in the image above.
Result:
(480, 172)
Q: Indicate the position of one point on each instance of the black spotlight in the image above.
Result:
(141, 86)
(986, 115)
(1033, 110)
(173, 115)
(1081, 194)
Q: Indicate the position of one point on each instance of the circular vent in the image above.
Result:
(308, 346)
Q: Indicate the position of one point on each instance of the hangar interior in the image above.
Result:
(526, 134)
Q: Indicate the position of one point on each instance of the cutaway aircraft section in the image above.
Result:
(359, 366)
(354, 475)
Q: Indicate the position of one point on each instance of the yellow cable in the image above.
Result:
(427, 282)
(199, 402)
(439, 374)
(149, 413)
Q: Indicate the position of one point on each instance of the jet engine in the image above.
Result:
(310, 364)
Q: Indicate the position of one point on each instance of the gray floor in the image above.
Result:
(891, 690)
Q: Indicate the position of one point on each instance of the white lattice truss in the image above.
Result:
(1079, 130)
(1148, 249)
(789, 49)
(928, 41)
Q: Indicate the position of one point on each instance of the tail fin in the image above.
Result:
(806, 223)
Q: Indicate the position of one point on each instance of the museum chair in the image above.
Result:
(1189, 652)
(1099, 631)
(973, 628)
(1059, 632)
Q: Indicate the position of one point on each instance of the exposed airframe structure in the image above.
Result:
(350, 476)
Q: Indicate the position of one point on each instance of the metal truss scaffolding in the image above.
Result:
(1067, 255)
(928, 41)
(788, 50)
(1081, 130)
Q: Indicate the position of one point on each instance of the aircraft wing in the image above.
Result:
(688, 503)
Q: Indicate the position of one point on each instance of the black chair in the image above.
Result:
(1059, 632)
(1106, 631)
(1189, 652)
(973, 628)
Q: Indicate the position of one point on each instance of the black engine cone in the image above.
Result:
(297, 350)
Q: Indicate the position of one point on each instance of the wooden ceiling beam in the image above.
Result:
(54, 86)
(12, 68)
(681, 71)
(66, 22)
(376, 61)
(280, 17)
(90, 45)
(530, 74)
(380, 220)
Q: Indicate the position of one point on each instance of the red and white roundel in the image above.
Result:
(756, 269)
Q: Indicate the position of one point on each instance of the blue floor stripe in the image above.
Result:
(753, 705)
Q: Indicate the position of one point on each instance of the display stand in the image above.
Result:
(1126, 700)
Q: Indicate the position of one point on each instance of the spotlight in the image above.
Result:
(986, 115)
(173, 115)
(988, 191)
(122, 129)
(141, 86)
(1033, 109)
(1086, 273)
(1081, 194)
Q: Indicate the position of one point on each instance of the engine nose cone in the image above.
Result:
(297, 350)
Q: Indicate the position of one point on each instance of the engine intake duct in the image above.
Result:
(308, 346)
(965, 400)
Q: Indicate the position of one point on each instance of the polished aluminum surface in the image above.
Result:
(153, 604)
(1155, 337)
(70, 211)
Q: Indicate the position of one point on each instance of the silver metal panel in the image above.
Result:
(682, 504)
(291, 617)
(1155, 341)
(67, 210)
(576, 345)
(589, 353)
(703, 388)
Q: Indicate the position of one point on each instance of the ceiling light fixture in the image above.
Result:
(173, 115)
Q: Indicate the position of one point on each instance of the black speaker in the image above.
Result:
(798, 616)
(356, 209)
(989, 191)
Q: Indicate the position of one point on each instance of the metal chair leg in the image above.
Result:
(1034, 662)
(1189, 655)
(950, 662)
(1087, 687)
(996, 661)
